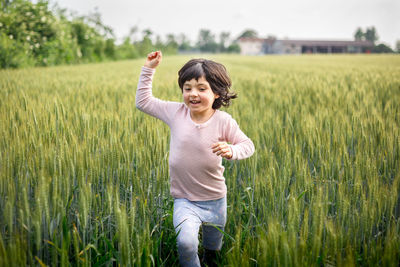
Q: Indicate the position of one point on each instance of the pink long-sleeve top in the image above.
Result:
(196, 173)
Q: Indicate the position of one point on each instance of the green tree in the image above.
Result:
(94, 19)
(398, 46)
(382, 48)
(127, 50)
(233, 48)
(159, 45)
(110, 50)
(146, 45)
(359, 34)
(91, 43)
(371, 35)
(248, 33)
(206, 41)
(132, 33)
(184, 43)
(171, 46)
(4, 4)
(33, 29)
(223, 41)
(32, 34)
(12, 53)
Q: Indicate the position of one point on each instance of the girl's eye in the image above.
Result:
(187, 89)
(202, 89)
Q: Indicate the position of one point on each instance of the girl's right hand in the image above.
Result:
(153, 59)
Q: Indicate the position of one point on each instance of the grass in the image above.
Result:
(84, 175)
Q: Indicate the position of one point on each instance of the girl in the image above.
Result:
(200, 136)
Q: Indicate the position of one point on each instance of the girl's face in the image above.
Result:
(199, 97)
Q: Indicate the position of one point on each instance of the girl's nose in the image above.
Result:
(193, 92)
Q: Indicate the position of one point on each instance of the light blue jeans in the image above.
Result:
(188, 217)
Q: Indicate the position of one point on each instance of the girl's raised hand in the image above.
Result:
(153, 59)
(222, 149)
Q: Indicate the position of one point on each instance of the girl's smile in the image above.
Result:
(199, 97)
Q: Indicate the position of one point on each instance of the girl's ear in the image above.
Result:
(216, 96)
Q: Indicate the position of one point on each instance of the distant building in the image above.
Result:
(261, 46)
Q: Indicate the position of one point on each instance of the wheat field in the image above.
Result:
(84, 174)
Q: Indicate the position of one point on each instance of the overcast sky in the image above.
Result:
(293, 19)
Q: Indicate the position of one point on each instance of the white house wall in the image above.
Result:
(251, 48)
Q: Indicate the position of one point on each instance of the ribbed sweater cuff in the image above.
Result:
(148, 70)
(234, 154)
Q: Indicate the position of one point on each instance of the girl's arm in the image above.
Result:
(145, 101)
(240, 146)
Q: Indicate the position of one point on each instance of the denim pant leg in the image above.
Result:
(212, 237)
(187, 224)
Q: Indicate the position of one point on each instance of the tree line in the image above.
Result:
(34, 35)
(370, 34)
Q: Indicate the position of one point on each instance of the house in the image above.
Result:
(261, 46)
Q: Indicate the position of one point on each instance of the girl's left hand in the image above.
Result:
(222, 149)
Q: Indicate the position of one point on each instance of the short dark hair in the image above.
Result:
(215, 74)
